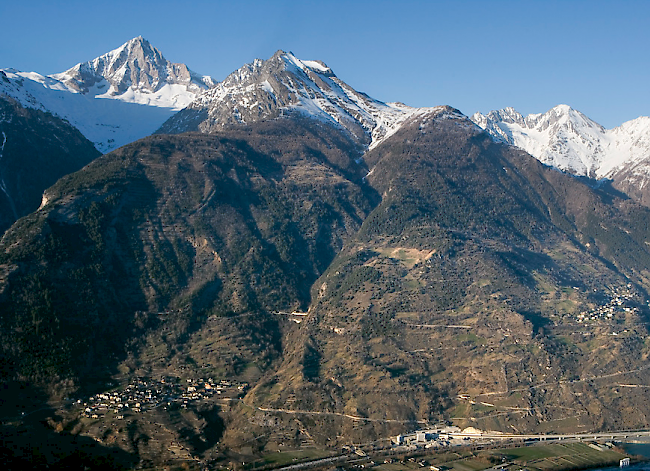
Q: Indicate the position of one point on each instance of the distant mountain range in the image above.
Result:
(133, 91)
(569, 141)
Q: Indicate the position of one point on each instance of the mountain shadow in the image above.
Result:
(36, 149)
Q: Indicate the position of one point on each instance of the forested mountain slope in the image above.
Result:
(439, 276)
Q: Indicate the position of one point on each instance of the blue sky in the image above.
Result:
(473, 55)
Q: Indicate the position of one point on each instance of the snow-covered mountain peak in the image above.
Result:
(562, 137)
(562, 117)
(103, 97)
(508, 115)
(568, 140)
(284, 85)
(135, 66)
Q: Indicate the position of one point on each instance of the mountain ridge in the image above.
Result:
(286, 84)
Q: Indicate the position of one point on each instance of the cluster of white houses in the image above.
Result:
(142, 394)
(621, 302)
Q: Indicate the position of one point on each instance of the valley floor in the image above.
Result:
(478, 456)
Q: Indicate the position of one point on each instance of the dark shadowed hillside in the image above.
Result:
(36, 149)
(198, 225)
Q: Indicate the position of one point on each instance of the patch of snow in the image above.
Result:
(108, 123)
(266, 86)
(317, 66)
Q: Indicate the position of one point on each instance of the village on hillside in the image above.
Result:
(142, 394)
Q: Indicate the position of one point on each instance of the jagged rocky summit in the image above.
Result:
(119, 97)
(135, 67)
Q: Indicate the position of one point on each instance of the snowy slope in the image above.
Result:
(568, 140)
(114, 99)
(283, 85)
